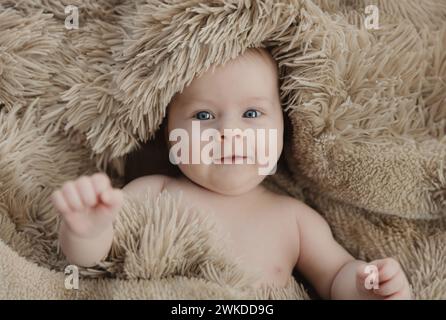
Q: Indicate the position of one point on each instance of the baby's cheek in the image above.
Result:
(271, 146)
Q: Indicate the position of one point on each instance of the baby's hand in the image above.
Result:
(383, 279)
(88, 205)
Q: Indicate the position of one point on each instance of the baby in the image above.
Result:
(272, 234)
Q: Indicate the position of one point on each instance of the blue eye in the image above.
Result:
(251, 113)
(203, 115)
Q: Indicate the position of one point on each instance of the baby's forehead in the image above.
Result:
(250, 76)
(262, 53)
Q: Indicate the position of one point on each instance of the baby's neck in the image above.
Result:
(252, 193)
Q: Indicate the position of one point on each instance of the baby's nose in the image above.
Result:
(229, 134)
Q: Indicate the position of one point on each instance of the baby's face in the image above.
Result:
(242, 94)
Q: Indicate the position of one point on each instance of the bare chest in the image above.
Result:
(261, 233)
(265, 239)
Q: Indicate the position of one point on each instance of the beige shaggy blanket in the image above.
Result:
(367, 145)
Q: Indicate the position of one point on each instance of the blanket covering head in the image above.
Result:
(367, 145)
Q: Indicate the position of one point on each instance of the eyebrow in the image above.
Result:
(259, 98)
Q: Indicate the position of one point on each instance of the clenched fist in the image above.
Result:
(383, 279)
(88, 205)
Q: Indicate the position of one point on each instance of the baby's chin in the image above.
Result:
(231, 189)
(230, 180)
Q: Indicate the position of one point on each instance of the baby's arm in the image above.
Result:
(88, 207)
(334, 273)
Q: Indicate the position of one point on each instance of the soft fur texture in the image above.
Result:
(367, 147)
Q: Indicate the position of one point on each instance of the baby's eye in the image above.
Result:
(251, 113)
(203, 115)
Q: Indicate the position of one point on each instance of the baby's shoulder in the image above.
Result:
(286, 202)
(155, 183)
(304, 214)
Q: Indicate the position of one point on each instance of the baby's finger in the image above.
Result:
(59, 202)
(400, 295)
(390, 287)
(112, 197)
(86, 191)
(362, 271)
(71, 196)
(388, 268)
(100, 182)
